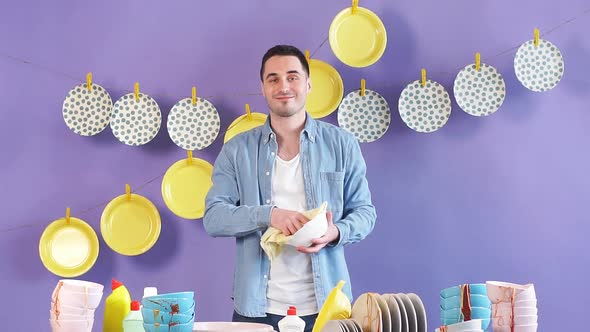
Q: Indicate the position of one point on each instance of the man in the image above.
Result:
(266, 177)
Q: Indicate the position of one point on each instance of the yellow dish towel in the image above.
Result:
(272, 240)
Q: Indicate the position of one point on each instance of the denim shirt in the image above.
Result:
(239, 205)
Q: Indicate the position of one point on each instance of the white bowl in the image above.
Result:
(502, 291)
(71, 325)
(525, 328)
(230, 327)
(503, 309)
(474, 324)
(313, 229)
(78, 286)
(69, 310)
(54, 316)
(80, 300)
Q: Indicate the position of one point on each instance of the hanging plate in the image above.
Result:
(193, 127)
(136, 122)
(87, 112)
(366, 117)
(358, 39)
(185, 186)
(538, 68)
(130, 224)
(68, 248)
(242, 124)
(327, 89)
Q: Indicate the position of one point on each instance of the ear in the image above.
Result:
(308, 85)
(262, 88)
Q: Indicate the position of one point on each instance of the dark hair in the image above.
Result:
(284, 50)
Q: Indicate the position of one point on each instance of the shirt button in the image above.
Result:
(272, 153)
(267, 173)
(265, 276)
(268, 201)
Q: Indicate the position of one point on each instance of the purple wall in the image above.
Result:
(498, 198)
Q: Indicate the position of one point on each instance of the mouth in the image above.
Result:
(284, 98)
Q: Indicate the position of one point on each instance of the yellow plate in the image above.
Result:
(68, 249)
(130, 226)
(359, 39)
(242, 124)
(327, 89)
(185, 186)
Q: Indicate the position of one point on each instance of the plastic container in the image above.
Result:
(133, 322)
(291, 322)
(117, 306)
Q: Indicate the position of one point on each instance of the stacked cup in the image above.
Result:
(513, 305)
(473, 325)
(174, 311)
(72, 305)
(464, 303)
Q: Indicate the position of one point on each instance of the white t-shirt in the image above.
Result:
(291, 277)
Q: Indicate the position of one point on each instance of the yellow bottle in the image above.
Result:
(117, 306)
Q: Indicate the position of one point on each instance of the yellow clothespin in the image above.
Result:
(248, 113)
(423, 81)
(128, 191)
(137, 91)
(190, 156)
(363, 84)
(194, 95)
(307, 55)
(67, 215)
(477, 61)
(355, 5)
(536, 37)
(89, 81)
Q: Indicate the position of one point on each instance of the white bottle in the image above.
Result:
(291, 322)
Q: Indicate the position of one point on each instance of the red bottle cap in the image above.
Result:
(115, 284)
(135, 306)
(292, 311)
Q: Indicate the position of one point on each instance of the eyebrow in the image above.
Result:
(289, 72)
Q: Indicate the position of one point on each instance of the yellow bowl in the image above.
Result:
(336, 307)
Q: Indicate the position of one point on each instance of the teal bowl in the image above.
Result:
(171, 305)
(188, 327)
(476, 313)
(150, 316)
(476, 300)
(479, 289)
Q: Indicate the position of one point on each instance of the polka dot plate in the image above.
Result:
(538, 68)
(193, 127)
(136, 122)
(424, 108)
(87, 112)
(366, 117)
(479, 92)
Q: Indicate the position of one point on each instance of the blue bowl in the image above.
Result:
(476, 313)
(171, 305)
(188, 327)
(182, 295)
(166, 317)
(484, 322)
(456, 290)
(476, 300)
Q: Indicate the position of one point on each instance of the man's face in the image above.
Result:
(285, 85)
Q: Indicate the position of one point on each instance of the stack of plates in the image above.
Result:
(344, 325)
(389, 313)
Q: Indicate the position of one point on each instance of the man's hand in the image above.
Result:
(332, 234)
(287, 221)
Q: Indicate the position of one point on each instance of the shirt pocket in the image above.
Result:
(332, 184)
